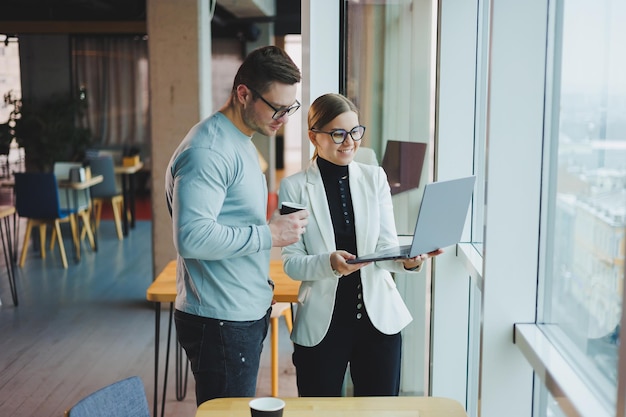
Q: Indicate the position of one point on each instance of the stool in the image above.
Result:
(278, 309)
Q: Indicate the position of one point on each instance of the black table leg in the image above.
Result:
(132, 190)
(77, 222)
(125, 197)
(157, 335)
(9, 259)
(181, 386)
(167, 359)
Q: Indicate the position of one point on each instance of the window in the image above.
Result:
(583, 271)
(389, 74)
(9, 74)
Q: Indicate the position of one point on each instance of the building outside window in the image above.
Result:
(583, 274)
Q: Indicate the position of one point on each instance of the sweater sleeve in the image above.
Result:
(201, 181)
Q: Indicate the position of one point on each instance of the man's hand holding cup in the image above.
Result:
(289, 224)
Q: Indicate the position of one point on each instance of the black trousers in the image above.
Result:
(374, 360)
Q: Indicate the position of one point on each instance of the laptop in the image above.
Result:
(440, 220)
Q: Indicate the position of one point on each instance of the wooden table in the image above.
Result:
(127, 174)
(285, 288)
(342, 407)
(82, 185)
(163, 290)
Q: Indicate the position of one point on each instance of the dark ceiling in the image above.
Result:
(73, 10)
(223, 25)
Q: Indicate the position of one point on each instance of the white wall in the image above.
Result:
(514, 151)
(320, 58)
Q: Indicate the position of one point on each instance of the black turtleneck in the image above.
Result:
(349, 307)
(337, 187)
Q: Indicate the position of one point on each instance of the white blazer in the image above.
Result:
(308, 260)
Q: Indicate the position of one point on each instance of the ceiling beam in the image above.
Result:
(65, 27)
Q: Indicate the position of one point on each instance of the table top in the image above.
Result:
(121, 169)
(7, 182)
(285, 288)
(6, 211)
(83, 185)
(342, 406)
(96, 179)
(163, 288)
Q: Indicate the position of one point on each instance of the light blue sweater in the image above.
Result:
(217, 197)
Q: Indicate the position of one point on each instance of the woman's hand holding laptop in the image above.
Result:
(340, 266)
(411, 264)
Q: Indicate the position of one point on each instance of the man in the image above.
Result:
(217, 197)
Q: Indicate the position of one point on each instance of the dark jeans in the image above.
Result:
(224, 355)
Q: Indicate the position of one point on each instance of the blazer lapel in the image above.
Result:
(319, 205)
(361, 200)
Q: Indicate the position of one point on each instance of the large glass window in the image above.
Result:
(9, 74)
(11, 157)
(586, 196)
(387, 69)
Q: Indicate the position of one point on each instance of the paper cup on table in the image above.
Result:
(287, 207)
(267, 407)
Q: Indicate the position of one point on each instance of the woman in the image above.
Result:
(346, 313)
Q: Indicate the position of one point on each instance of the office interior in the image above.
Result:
(523, 317)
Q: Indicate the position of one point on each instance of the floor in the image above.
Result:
(77, 330)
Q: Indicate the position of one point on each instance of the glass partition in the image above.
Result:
(387, 69)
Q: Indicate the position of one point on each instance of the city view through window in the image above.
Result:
(587, 219)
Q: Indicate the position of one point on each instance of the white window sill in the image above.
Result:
(575, 398)
(473, 262)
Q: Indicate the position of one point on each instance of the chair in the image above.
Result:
(37, 199)
(278, 310)
(107, 190)
(366, 156)
(82, 203)
(125, 398)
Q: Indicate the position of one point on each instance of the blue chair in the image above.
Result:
(37, 199)
(107, 190)
(74, 199)
(125, 398)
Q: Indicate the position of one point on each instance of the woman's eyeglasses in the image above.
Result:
(339, 135)
(278, 112)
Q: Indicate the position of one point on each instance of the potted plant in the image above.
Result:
(48, 132)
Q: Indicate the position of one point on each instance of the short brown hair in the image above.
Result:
(264, 66)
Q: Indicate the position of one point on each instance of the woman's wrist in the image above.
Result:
(415, 268)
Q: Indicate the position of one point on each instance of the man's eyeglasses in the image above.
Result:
(278, 112)
(339, 135)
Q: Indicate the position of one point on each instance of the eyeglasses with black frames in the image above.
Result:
(339, 135)
(278, 112)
